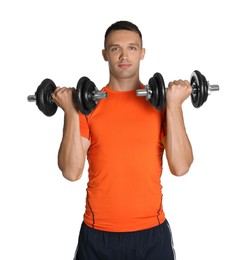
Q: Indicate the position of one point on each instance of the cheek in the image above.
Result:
(137, 56)
(113, 58)
(112, 65)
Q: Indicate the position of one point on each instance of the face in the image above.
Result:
(123, 51)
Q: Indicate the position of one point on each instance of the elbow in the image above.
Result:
(180, 169)
(72, 177)
(71, 174)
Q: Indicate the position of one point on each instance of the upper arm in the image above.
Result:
(85, 144)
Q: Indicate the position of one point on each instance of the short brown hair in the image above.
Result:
(122, 25)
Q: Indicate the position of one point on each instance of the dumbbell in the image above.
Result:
(155, 90)
(87, 96)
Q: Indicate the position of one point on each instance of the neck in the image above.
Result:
(124, 84)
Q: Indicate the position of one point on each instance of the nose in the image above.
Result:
(123, 59)
(124, 55)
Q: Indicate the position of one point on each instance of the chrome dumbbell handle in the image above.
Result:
(31, 98)
(212, 88)
(145, 92)
(97, 95)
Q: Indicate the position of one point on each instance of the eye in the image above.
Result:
(115, 49)
(132, 48)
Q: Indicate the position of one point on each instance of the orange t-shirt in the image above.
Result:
(124, 191)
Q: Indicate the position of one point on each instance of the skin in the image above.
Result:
(178, 147)
(73, 149)
(124, 52)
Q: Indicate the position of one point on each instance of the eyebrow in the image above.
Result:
(118, 45)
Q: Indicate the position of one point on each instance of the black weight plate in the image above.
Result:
(43, 97)
(154, 100)
(202, 91)
(197, 83)
(205, 83)
(84, 95)
(194, 81)
(161, 91)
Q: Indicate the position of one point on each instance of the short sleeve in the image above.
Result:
(84, 127)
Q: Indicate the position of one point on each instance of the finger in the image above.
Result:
(63, 89)
(170, 84)
(53, 95)
(182, 82)
(186, 82)
(176, 82)
(188, 86)
(57, 92)
(57, 89)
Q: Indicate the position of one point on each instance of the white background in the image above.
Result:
(208, 209)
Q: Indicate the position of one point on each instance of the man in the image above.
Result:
(124, 139)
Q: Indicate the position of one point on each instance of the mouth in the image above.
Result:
(124, 65)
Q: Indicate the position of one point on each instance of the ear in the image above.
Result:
(143, 53)
(104, 55)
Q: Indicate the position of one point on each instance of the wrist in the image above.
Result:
(174, 106)
(71, 113)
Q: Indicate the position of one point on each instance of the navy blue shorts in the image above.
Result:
(151, 244)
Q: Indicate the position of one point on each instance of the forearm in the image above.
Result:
(178, 147)
(71, 155)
